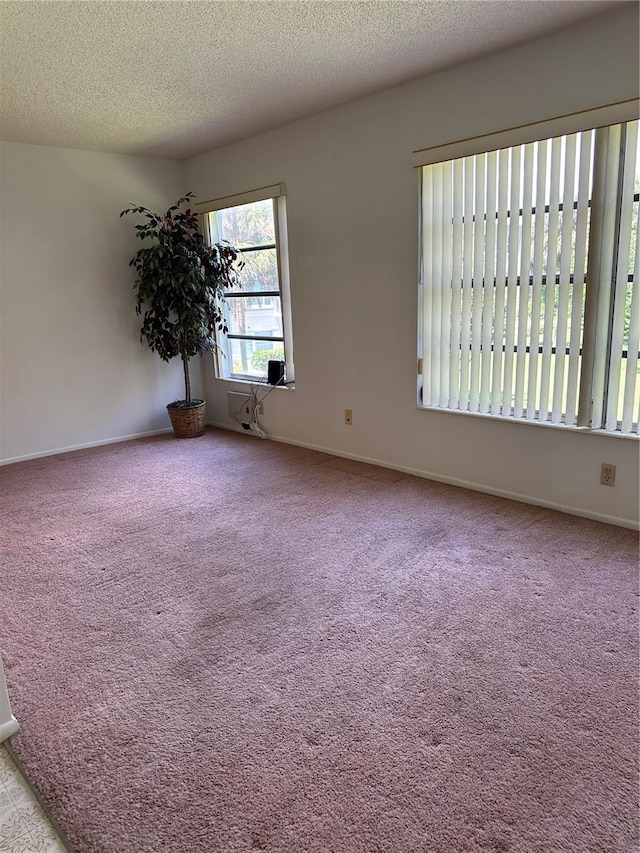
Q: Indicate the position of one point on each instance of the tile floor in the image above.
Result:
(24, 827)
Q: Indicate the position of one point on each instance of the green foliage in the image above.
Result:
(180, 283)
(260, 358)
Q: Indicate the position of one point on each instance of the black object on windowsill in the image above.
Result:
(275, 372)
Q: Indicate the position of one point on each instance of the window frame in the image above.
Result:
(618, 113)
(222, 355)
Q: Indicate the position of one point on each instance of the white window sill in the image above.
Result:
(581, 430)
(261, 383)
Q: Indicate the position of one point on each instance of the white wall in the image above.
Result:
(72, 371)
(352, 210)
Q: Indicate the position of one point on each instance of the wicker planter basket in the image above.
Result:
(187, 422)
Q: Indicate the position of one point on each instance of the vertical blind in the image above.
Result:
(622, 405)
(528, 252)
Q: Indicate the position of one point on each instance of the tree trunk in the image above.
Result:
(187, 381)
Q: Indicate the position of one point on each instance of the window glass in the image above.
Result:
(515, 320)
(248, 224)
(255, 315)
(258, 327)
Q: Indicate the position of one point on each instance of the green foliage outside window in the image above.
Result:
(260, 358)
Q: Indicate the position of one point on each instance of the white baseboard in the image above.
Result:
(453, 481)
(427, 475)
(41, 454)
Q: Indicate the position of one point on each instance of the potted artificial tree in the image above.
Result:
(179, 293)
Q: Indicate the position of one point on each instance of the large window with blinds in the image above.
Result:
(530, 293)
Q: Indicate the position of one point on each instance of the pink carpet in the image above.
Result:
(225, 645)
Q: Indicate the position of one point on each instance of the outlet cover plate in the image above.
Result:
(608, 474)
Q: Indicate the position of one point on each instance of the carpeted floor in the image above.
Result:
(227, 646)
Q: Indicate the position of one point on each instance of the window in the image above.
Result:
(257, 313)
(530, 292)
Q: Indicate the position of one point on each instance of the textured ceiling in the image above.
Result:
(175, 79)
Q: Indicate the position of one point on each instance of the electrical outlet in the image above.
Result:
(608, 474)
(348, 417)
